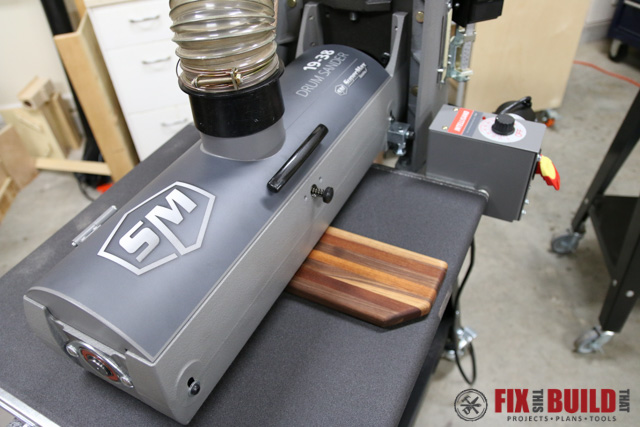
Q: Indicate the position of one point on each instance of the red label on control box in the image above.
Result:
(461, 121)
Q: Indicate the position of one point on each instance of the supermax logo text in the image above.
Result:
(570, 404)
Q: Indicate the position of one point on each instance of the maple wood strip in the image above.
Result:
(369, 272)
(414, 297)
(332, 231)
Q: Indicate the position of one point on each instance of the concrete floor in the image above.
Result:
(526, 303)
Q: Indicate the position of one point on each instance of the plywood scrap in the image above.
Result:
(88, 73)
(59, 117)
(36, 133)
(8, 191)
(37, 92)
(15, 159)
(78, 166)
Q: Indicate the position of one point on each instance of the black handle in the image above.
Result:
(303, 152)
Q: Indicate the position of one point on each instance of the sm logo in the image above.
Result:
(169, 224)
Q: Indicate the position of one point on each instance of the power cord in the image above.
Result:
(523, 102)
(83, 190)
(456, 306)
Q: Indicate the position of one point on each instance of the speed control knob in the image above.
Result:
(504, 125)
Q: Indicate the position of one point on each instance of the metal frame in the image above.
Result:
(22, 412)
(617, 224)
(622, 26)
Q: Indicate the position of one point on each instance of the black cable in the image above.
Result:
(456, 306)
(84, 191)
(473, 366)
(472, 259)
(526, 102)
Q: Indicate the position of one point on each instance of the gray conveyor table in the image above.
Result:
(305, 364)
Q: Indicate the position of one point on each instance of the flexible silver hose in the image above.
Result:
(224, 45)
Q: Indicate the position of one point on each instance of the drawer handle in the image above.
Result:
(145, 19)
(155, 61)
(177, 122)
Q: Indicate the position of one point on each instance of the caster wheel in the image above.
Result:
(584, 343)
(618, 51)
(566, 244)
(592, 340)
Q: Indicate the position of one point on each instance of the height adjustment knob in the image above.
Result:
(504, 125)
(326, 194)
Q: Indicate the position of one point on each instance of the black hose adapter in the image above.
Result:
(237, 113)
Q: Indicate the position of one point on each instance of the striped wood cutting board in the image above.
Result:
(373, 281)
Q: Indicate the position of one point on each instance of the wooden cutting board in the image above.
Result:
(373, 281)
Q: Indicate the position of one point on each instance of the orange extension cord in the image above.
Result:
(609, 73)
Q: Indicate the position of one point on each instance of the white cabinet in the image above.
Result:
(145, 76)
(119, 24)
(135, 39)
(158, 126)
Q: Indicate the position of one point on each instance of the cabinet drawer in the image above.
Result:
(144, 76)
(131, 23)
(152, 129)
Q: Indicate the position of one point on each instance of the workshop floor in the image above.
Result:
(526, 304)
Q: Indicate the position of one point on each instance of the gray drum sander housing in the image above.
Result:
(162, 297)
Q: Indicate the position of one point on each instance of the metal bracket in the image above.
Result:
(465, 336)
(399, 136)
(461, 44)
(310, 29)
(443, 71)
(24, 415)
(84, 234)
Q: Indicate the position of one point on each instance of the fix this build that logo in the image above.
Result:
(565, 405)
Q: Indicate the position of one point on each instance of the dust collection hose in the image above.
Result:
(230, 70)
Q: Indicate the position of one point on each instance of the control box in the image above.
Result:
(497, 154)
